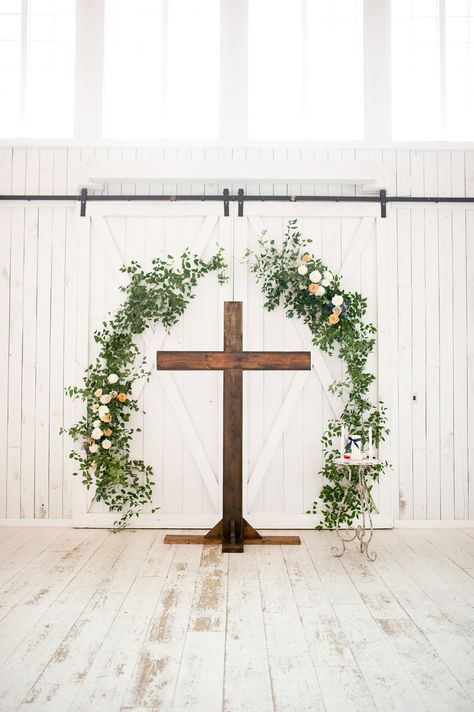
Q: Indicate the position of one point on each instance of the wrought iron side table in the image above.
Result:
(363, 532)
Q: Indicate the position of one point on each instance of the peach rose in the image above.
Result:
(106, 418)
(333, 318)
(122, 397)
(107, 432)
(306, 257)
(313, 288)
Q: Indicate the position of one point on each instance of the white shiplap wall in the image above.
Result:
(432, 251)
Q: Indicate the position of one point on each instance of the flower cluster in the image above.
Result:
(319, 285)
(156, 297)
(99, 436)
(307, 289)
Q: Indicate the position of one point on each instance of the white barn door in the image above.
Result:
(284, 413)
(181, 428)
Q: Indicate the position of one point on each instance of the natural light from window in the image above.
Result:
(37, 68)
(162, 69)
(433, 69)
(305, 69)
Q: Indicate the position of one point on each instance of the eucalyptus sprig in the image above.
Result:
(158, 297)
(306, 288)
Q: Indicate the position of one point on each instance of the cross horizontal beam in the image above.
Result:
(233, 360)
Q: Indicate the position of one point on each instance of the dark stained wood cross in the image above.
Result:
(233, 531)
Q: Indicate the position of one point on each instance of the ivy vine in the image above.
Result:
(159, 297)
(289, 275)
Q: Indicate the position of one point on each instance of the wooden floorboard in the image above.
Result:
(93, 621)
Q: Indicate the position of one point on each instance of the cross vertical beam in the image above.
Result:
(233, 440)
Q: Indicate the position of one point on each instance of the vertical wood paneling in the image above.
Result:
(433, 351)
(470, 354)
(29, 365)
(5, 229)
(460, 365)
(432, 284)
(14, 369)
(405, 389)
(418, 344)
(56, 365)
(43, 355)
(446, 364)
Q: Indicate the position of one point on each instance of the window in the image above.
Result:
(459, 34)
(37, 67)
(162, 69)
(305, 69)
(433, 69)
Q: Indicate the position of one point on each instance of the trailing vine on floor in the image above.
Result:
(289, 275)
(158, 297)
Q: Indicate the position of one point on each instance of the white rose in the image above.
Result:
(321, 291)
(98, 393)
(93, 448)
(337, 300)
(95, 407)
(315, 275)
(105, 398)
(96, 424)
(106, 444)
(103, 410)
(96, 434)
(329, 276)
(325, 282)
(302, 270)
(113, 378)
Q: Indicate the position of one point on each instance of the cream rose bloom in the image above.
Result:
(302, 270)
(315, 275)
(98, 393)
(106, 444)
(113, 378)
(337, 300)
(93, 448)
(95, 407)
(103, 410)
(96, 434)
(328, 275)
(96, 424)
(325, 282)
(106, 398)
(321, 291)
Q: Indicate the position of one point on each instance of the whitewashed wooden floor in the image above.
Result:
(92, 620)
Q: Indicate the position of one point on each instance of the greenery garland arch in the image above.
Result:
(289, 275)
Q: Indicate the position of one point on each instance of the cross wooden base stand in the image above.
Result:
(232, 530)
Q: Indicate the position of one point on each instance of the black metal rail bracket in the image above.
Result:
(240, 204)
(383, 203)
(226, 202)
(83, 202)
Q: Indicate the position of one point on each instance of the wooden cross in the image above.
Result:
(233, 531)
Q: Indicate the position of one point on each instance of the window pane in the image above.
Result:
(460, 70)
(415, 70)
(275, 68)
(50, 68)
(335, 90)
(305, 69)
(162, 69)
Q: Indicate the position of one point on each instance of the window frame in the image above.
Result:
(233, 99)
